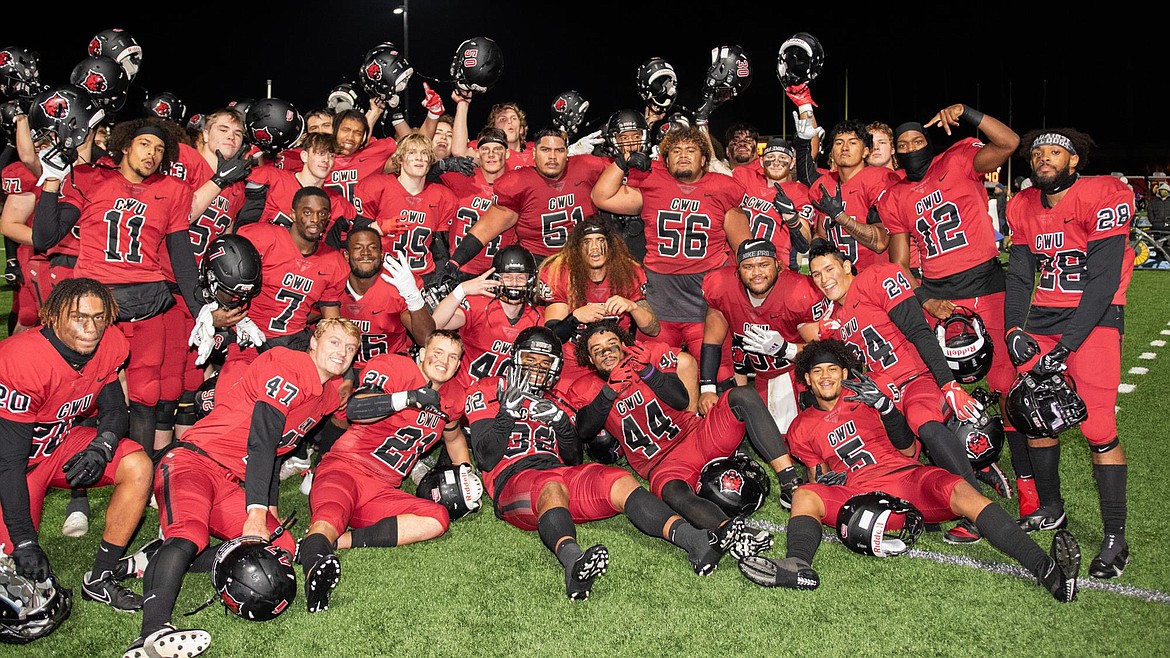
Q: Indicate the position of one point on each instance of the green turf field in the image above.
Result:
(487, 589)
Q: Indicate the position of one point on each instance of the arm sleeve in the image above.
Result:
(799, 243)
(909, 319)
(263, 435)
(489, 439)
(591, 417)
(255, 196)
(440, 250)
(1104, 278)
(182, 254)
(113, 415)
(668, 387)
(568, 442)
(1021, 277)
(806, 164)
(898, 430)
(53, 219)
(15, 446)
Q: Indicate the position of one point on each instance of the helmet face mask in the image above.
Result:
(20, 74)
(1044, 407)
(512, 260)
(231, 271)
(657, 83)
(969, 350)
(537, 359)
(736, 484)
(29, 610)
(626, 132)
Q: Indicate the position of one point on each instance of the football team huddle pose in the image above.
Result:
(579, 326)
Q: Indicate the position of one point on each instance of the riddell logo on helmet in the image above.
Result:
(964, 351)
(731, 481)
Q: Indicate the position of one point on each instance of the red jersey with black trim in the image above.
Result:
(389, 448)
(123, 227)
(552, 287)
(549, 209)
(291, 282)
(793, 300)
(684, 221)
(288, 381)
(488, 335)
(945, 213)
(38, 386)
(647, 427)
(863, 320)
(378, 313)
(473, 196)
(383, 199)
(850, 438)
(282, 186)
(763, 220)
(221, 214)
(75, 189)
(1092, 209)
(349, 170)
(859, 193)
(515, 159)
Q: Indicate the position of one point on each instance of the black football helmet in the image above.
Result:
(195, 122)
(617, 129)
(657, 82)
(568, 111)
(729, 75)
(343, 97)
(20, 73)
(385, 73)
(166, 105)
(254, 578)
(863, 520)
(273, 125)
(230, 272)
(515, 259)
(104, 79)
(30, 610)
(800, 60)
(242, 106)
(966, 344)
(1044, 407)
(118, 45)
(9, 110)
(538, 380)
(681, 117)
(68, 113)
(455, 487)
(736, 484)
(477, 65)
(984, 440)
(604, 449)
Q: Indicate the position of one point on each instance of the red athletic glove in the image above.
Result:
(800, 95)
(433, 102)
(965, 406)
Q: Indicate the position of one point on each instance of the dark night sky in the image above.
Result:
(1043, 65)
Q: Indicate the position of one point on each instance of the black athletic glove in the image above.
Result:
(31, 561)
(425, 398)
(830, 204)
(461, 164)
(832, 478)
(703, 114)
(86, 467)
(638, 160)
(1051, 363)
(450, 275)
(785, 207)
(1021, 346)
(866, 392)
(233, 169)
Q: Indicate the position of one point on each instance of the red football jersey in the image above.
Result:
(549, 209)
(765, 223)
(863, 320)
(389, 448)
(16, 179)
(1092, 209)
(516, 159)
(383, 199)
(285, 379)
(945, 213)
(292, 283)
(221, 214)
(75, 189)
(488, 335)
(37, 386)
(378, 314)
(684, 222)
(123, 227)
(850, 438)
(793, 300)
(859, 193)
(349, 170)
(474, 195)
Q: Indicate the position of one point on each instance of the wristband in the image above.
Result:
(431, 116)
(707, 388)
(804, 107)
(460, 293)
(972, 115)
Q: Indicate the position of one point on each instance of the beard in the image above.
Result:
(1061, 180)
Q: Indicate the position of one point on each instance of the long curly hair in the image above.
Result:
(620, 266)
(123, 134)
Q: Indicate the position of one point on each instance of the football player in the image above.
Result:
(875, 310)
(52, 378)
(359, 155)
(475, 194)
(777, 204)
(857, 442)
(1073, 231)
(396, 417)
(221, 479)
(526, 444)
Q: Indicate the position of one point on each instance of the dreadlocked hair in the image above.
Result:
(66, 295)
(620, 266)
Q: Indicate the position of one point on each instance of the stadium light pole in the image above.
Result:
(404, 11)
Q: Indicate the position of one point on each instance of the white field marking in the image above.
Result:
(1148, 356)
(1126, 388)
(1157, 343)
(1084, 582)
(1165, 332)
(1138, 370)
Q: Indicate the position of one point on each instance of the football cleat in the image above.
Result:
(964, 532)
(1043, 519)
(307, 482)
(134, 565)
(1061, 577)
(320, 581)
(105, 589)
(171, 642)
(1111, 559)
(791, 572)
(994, 477)
(1028, 498)
(76, 524)
(786, 493)
(293, 466)
(579, 578)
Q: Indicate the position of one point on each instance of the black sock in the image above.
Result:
(647, 512)
(202, 562)
(1005, 534)
(313, 548)
(552, 526)
(689, 538)
(78, 502)
(1046, 469)
(1111, 487)
(383, 533)
(947, 450)
(107, 557)
(161, 583)
(698, 511)
(804, 537)
(1021, 459)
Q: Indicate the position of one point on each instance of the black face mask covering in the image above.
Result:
(916, 162)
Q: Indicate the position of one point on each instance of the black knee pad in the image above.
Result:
(164, 421)
(185, 412)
